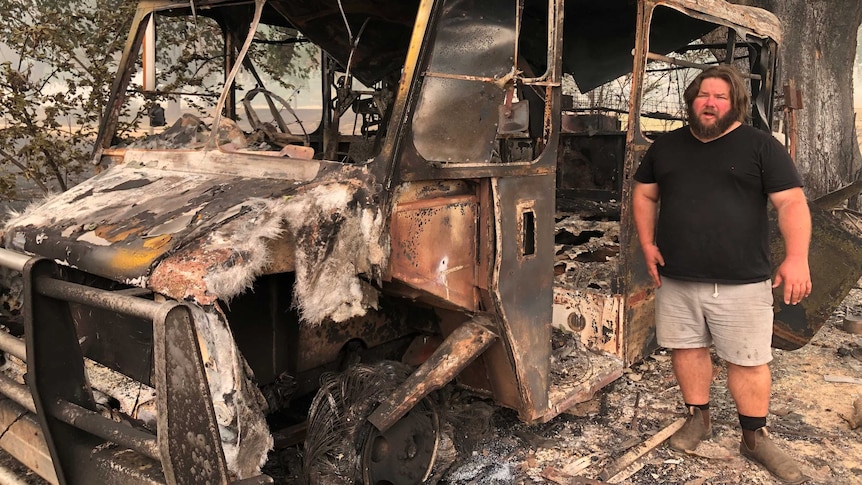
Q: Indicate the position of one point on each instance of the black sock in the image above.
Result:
(751, 423)
(702, 407)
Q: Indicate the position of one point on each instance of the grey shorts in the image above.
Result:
(736, 318)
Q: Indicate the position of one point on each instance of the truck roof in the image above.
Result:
(597, 48)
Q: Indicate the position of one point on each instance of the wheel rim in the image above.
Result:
(405, 453)
(342, 447)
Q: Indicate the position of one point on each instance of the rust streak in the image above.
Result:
(183, 276)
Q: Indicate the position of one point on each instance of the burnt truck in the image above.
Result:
(356, 204)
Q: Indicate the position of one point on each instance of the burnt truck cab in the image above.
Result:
(345, 185)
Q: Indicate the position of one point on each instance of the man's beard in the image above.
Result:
(709, 132)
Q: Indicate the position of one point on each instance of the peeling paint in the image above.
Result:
(174, 225)
(140, 282)
(333, 237)
(92, 238)
(179, 213)
(18, 240)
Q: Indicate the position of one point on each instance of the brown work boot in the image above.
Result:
(772, 458)
(692, 432)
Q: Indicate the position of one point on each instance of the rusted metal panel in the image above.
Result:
(434, 247)
(431, 189)
(744, 19)
(639, 323)
(465, 44)
(635, 282)
(835, 259)
(523, 286)
(485, 235)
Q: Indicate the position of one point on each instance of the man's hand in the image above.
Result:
(794, 221)
(653, 258)
(795, 276)
(645, 208)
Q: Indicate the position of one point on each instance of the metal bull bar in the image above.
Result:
(55, 413)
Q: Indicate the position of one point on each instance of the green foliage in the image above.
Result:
(57, 64)
(56, 67)
(189, 68)
(270, 51)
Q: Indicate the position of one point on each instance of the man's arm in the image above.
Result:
(645, 199)
(794, 221)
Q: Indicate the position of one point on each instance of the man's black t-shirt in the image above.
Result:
(712, 223)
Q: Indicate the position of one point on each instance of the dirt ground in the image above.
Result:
(575, 448)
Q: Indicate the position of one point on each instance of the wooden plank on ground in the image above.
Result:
(640, 450)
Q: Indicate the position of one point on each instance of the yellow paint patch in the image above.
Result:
(157, 242)
(133, 259)
(107, 232)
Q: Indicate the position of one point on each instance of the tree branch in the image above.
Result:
(9, 158)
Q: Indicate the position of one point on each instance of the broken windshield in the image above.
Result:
(171, 99)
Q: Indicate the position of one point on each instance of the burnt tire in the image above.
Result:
(343, 448)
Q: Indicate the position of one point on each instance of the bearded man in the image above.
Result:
(706, 249)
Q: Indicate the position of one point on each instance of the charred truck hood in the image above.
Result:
(190, 225)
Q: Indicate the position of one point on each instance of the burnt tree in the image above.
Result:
(818, 55)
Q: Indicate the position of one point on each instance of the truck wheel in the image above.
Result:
(342, 447)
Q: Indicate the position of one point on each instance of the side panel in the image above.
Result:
(524, 282)
(835, 259)
(636, 284)
(434, 247)
(638, 287)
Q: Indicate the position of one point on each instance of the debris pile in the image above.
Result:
(587, 245)
(618, 437)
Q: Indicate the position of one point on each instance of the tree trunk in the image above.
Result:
(819, 50)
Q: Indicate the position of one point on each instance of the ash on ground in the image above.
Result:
(806, 419)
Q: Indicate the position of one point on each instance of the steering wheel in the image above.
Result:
(283, 136)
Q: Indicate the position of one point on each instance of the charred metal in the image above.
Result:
(366, 199)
